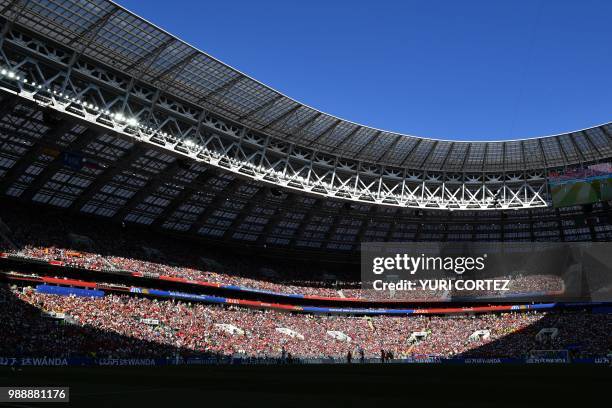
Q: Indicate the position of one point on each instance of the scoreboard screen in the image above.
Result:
(581, 186)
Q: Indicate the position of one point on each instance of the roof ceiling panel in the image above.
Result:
(336, 135)
(379, 146)
(584, 146)
(513, 159)
(358, 141)
(533, 153)
(156, 64)
(494, 159)
(456, 156)
(475, 158)
(420, 153)
(438, 155)
(403, 147)
(294, 121)
(601, 139)
(569, 148)
(321, 124)
(552, 152)
(70, 15)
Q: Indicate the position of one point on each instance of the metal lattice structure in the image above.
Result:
(99, 55)
(166, 135)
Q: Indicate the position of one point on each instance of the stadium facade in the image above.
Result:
(104, 114)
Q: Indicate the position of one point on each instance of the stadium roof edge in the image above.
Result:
(434, 139)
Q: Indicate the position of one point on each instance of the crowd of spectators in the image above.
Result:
(84, 245)
(69, 257)
(126, 325)
(94, 245)
(136, 265)
(88, 260)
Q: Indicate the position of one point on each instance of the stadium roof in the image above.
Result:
(50, 155)
(130, 44)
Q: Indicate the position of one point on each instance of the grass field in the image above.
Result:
(321, 386)
(574, 193)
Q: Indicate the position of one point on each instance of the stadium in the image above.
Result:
(159, 207)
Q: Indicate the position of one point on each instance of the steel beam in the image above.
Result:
(153, 184)
(215, 204)
(55, 165)
(122, 163)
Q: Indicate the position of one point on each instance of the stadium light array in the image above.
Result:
(117, 117)
(133, 122)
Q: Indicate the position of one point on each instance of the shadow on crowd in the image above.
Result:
(27, 331)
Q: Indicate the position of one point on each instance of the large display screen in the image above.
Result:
(581, 186)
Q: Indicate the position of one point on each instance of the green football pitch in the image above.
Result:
(569, 194)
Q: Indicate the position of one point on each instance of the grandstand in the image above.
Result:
(158, 204)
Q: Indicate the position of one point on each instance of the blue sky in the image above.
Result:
(462, 70)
